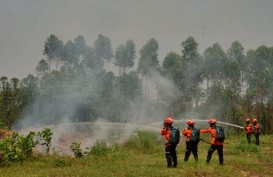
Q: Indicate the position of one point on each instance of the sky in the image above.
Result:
(26, 24)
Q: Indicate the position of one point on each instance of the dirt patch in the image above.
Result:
(5, 133)
(249, 174)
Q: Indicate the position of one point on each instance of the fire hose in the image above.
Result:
(205, 141)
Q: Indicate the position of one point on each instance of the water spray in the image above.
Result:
(220, 122)
(233, 125)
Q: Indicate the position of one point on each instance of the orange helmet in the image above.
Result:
(190, 122)
(254, 121)
(212, 121)
(247, 120)
(168, 120)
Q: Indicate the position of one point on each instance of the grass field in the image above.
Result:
(143, 156)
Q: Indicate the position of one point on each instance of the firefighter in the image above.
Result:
(192, 140)
(248, 129)
(170, 148)
(256, 131)
(215, 144)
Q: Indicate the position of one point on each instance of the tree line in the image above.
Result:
(73, 83)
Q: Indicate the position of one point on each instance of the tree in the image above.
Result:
(215, 60)
(90, 62)
(70, 56)
(172, 70)
(42, 68)
(170, 65)
(189, 49)
(258, 75)
(130, 53)
(29, 86)
(120, 57)
(148, 63)
(103, 48)
(80, 49)
(192, 69)
(14, 83)
(148, 57)
(125, 55)
(233, 71)
(53, 50)
(80, 45)
(6, 98)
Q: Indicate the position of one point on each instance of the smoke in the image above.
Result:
(90, 107)
(64, 107)
(67, 102)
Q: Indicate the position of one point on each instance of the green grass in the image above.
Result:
(143, 156)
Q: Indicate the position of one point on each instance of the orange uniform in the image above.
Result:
(187, 132)
(170, 148)
(256, 128)
(248, 128)
(167, 133)
(191, 146)
(215, 144)
(212, 131)
(257, 131)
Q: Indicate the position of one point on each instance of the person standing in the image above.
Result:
(192, 140)
(215, 143)
(170, 147)
(256, 131)
(248, 129)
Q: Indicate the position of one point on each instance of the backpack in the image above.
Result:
(175, 136)
(195, 135)
(220, 134)
(261, 128)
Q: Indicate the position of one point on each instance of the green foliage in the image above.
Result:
(189, 48)
(61, 163)
(46, 136)
(125, 55)
(99, 149)
(148, 57)
(103, 48)
(243, 147)
(42, 67)
(144, 142)
(3, 125)
(17, 148)
(171, 64)
(132, 162)
(76, 149)
(227, 85)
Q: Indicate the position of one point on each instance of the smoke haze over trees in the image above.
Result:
(74, 85)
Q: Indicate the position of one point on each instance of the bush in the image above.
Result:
(99, 149)
(244, 147)
(17, 147)
(145, 142)
(76, 149)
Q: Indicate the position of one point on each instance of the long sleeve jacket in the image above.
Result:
(256, 128)
(212, 131)
(248, 128)
(167, 133)
(187, 132)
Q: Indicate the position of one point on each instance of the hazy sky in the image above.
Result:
(26, 24)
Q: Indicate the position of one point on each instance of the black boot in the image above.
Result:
(196, 158)
(208, 159)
